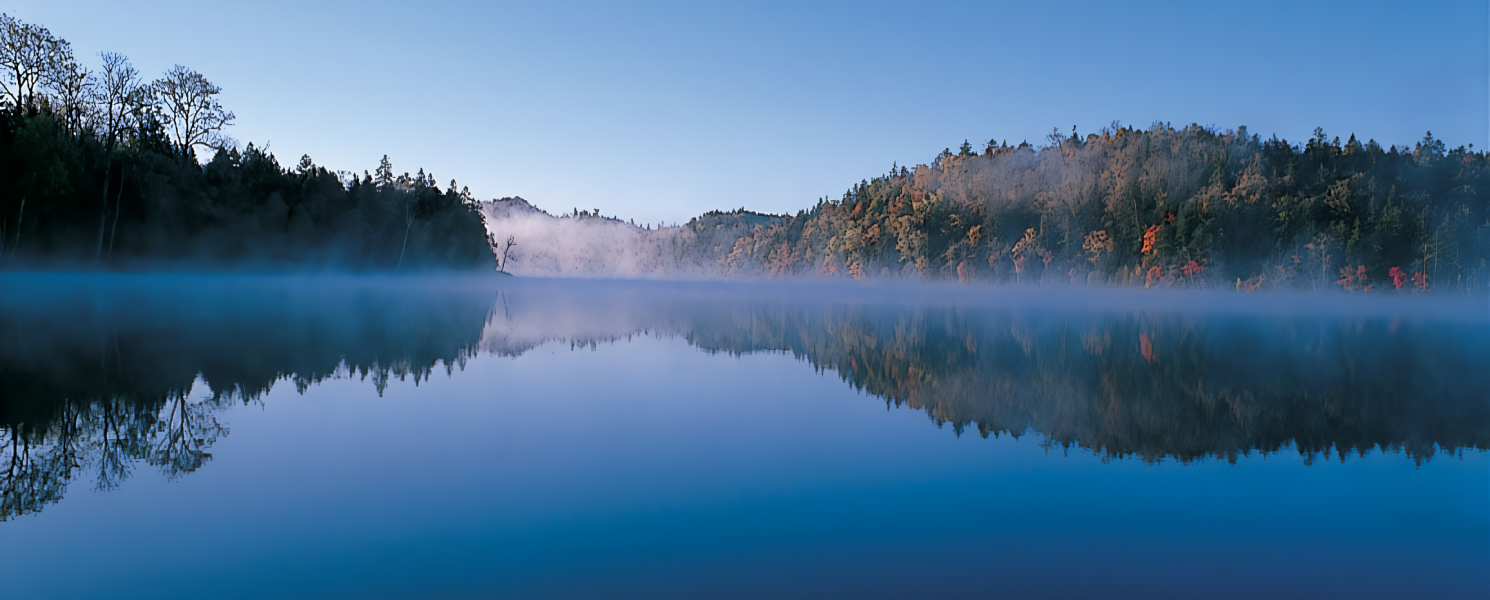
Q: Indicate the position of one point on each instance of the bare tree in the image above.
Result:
(28, 54)
(118, 96)
(189, 107)
(72, 86)
(511, 241)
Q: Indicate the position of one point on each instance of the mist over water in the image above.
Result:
(589, 246)
(111, 383)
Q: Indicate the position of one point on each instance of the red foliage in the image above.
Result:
(1398, 277)
(1421, 280)
(1191, 268)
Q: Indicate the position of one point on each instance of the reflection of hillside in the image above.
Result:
(1149, 385)
(95, 375)
(97, 378)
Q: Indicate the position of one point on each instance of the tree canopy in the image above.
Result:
(104, 168)
(1161, 206)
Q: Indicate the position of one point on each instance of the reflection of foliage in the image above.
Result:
(182, 434)
(1148, 386)
(107, 437)
(33, 476)
(91, 387)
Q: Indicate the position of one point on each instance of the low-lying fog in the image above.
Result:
(1245, 363)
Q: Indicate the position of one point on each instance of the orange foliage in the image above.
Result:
(1149, 237)
(1154, 274)
(1353, 279)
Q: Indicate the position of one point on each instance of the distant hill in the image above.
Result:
(584, 244)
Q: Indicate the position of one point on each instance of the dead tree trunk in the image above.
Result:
(20, 219)
(408, 224)
(118, 198)
(103, 213)
(511, 241)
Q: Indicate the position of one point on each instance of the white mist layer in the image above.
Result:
(582, 245)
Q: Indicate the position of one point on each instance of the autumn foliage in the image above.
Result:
(1108, 207)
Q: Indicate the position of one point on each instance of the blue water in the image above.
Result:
(597, 440)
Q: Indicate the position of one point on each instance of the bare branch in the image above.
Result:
(189, 107)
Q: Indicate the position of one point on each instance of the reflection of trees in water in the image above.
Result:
(104, 440)
(90, 389)
(95, 380)
(1149, 385)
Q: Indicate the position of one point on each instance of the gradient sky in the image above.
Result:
(665, 110)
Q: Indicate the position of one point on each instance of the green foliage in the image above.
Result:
(239, 207)
(1281, 214)
(104, 170)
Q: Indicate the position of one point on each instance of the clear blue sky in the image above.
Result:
(662, 111)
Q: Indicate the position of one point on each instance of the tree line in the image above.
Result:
(99, 166)
(1163, 206)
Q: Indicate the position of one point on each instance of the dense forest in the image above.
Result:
(1158, 207)
(1162, 206)
(100, 167)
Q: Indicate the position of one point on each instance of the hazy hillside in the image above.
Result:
(1161, 207)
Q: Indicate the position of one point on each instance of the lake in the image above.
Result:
(191, 436)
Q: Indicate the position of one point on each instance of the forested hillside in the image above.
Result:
(1162, 206)
(100, 167)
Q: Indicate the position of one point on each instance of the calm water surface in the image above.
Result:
(248, 437)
